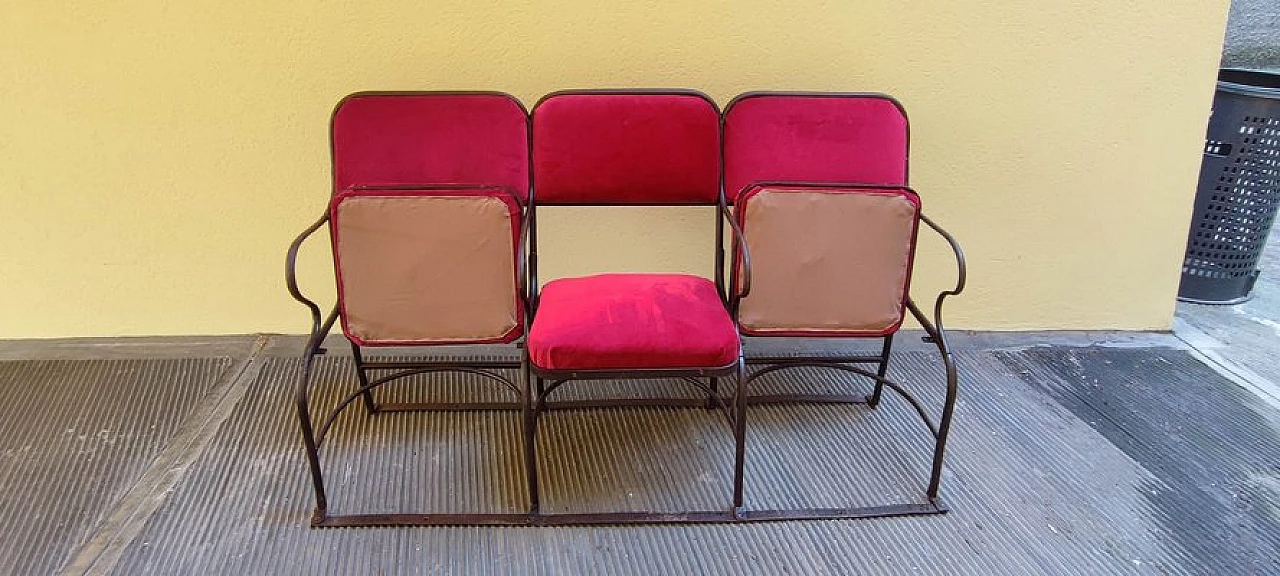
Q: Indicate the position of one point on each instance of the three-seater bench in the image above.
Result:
(434, 231)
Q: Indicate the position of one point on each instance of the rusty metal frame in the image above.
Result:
(534, 385)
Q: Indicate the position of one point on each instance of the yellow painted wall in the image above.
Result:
(156, 157)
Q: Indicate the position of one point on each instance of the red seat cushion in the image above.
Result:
(632, 321)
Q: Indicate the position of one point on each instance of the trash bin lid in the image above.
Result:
(1257, 83)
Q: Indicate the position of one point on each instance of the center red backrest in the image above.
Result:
(626, 148)
(818, 138)
(429, 139)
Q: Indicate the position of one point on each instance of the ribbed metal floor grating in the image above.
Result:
(1079, 461)
(75, 435)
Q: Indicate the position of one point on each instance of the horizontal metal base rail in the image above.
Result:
(757, 400)
(444, 364)
(621, 518)
(772, 360)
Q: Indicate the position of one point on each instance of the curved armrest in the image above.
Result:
(935, 330)
(290, 274)
(745, 280)
(962, 268)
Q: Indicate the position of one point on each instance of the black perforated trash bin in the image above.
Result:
(1239, 190)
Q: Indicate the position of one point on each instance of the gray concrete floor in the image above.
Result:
(1092, 453)
(1242, 340)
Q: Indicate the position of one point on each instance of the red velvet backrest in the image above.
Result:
(819, 138)
(626, 148)
(431, 138)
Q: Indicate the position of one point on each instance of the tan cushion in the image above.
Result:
(827, 260)
(423, 267)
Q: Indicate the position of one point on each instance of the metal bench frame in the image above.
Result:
(533, 387)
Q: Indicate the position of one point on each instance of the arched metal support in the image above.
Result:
(880, 381)
(370, 385)
(544, 387)
(541, 399)
(546, 390)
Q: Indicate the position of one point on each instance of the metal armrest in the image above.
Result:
(290, 274)
(745, 281)
(935, 330)
(962, 269)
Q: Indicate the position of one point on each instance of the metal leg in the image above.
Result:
(711, 394)
(303, 402)
(740, 437)
(532, 406)
(369, 405)
(309, 442)
(944, 426)
(874, 399)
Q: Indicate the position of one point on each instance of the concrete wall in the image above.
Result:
(1253, 34)
(156, 157)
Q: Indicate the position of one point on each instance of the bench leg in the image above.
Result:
(740, 436)
(944, 425)
(874, 398)
(532, 405)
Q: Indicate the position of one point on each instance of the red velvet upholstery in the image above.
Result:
(426, 138)
(632, 321)
(607, 148)
(814, 138)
